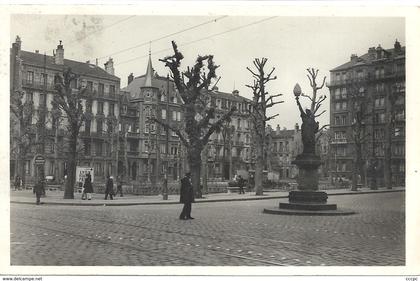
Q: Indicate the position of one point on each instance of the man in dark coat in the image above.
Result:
(87, 187)
(241, 183)
(109, 188)
(186, 197)
(39, 189)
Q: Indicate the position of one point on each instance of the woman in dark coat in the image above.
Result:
(87, 187)
(186, 197)
(109, 188)
(39, 189)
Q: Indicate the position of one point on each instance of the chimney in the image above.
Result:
(17, 45)
(397, 46)
(109, 66)
(36, 51)
(278, 129)
(296, 127)
(59, 55)
(353, 57)
(235, 92)
(372, 52)
(215, 88)
(88, 61)
(130, 78)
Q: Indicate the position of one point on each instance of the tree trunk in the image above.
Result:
(258, 179)
(71, 171)
(205, 170)
(387, 162)
(194, 161)
(357, 165)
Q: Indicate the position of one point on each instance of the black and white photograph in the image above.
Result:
(263, 141)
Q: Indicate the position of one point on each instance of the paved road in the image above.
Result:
(225, 233)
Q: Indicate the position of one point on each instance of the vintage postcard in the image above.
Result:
(220, 138)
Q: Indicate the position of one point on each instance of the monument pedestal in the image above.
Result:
(307, 200)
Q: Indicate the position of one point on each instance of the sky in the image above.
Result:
(291, 44)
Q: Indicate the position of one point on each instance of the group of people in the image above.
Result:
(186, 192)
(18, 184)
(241, 183)
(109, 188)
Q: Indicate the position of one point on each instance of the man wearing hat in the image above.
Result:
(186, 197)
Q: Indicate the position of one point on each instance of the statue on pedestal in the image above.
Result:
(309, 129)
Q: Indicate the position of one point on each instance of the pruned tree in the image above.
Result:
(21, 124)
(261, 101)
(70, 102)
(394, 92)
(193, 85)
(359, 117)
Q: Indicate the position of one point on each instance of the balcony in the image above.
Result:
(134, 153)
(339, 141)
(133, 135)
(38, 85)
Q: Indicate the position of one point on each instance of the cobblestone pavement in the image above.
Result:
(225, 233)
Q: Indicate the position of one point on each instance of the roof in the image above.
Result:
(149, 73)
(81, 68)
(229, 96)
(161, 83)
(282, 134)
(368, 59)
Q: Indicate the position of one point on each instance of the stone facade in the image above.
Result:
(369, 80)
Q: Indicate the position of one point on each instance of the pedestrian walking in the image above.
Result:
(241, 183)
(17, 183)
(87, 187)
(109, 188)
(39, 189)
(186, 197)
(119, 186)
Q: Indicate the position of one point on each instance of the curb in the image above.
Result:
(197, 201)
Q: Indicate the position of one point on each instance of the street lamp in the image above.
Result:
(297, 91)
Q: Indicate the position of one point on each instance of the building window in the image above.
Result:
(178, 116)
(100, 107)
(30, 77)
(164, 114)
(28, 167)
(337, 106)
(341, 151)
(98, 169)
(399, 132)
(42, 100)
(87, 126)
(174, 115)
(360, 74)
(344, 93)
(89, 86)
(99, 148)
(86, 147)
(163, 148)
(44, 78)
(338, 76)
(99, 126)
(73, 83)
(111, 109)
(337, 93)
(112, 89)
(101, 88)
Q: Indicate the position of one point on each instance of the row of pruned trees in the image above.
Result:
(199, 118)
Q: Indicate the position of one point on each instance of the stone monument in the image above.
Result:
(307, 199)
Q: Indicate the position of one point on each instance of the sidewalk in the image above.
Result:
(56, 197)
